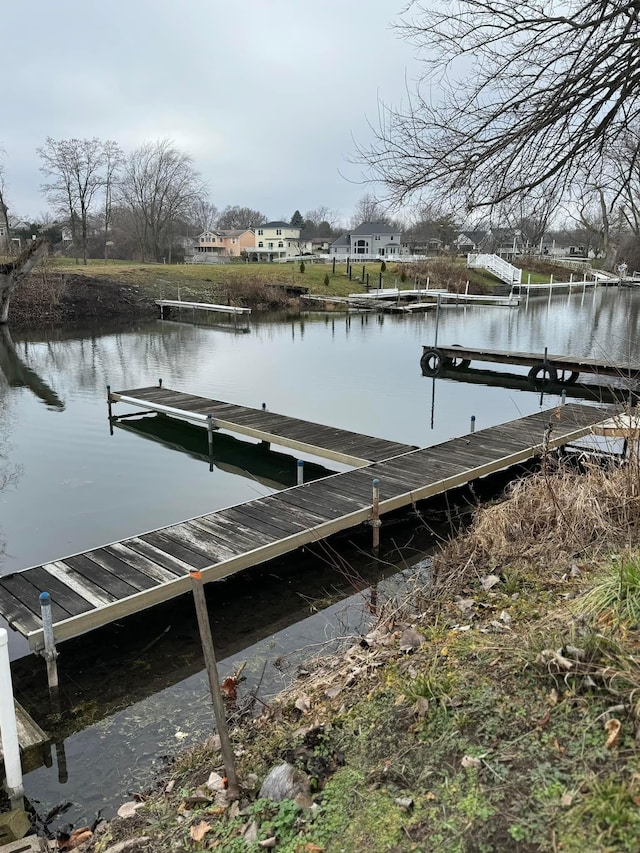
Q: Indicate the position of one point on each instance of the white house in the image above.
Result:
(279, 240)
(371, 239)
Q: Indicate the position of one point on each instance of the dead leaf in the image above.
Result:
(612, 727)
(303, 703)
(470, 761)
(128, 809)
(268, 842)
(199, 831)
(566, 800)
(215, 782)
(405, 803)
(544, 719)
(230, 687)
(488, 582)
(553, 697)
(310, 847)
(421, 707)
(250, 832)
(77, 837)
(332, 692)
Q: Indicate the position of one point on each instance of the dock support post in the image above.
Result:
(473, 423)
(333, 271)
(210, 440)
(214, 682)
(50, 653)
(435, 342)
(375, 516)
(363, 273)
(9, 728)
(564, 396)
(159, 383)
(300, 472)
(109, 410)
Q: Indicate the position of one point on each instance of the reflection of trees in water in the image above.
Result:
(20, 375)
(93, 360)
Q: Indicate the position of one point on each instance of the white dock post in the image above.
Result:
(300, 469)
(564, 396)
(50, 653)
(375, 516)
(473, 423)
(9, 728)
(210, 440)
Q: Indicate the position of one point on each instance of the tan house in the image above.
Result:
(279, 240)
(228, 243)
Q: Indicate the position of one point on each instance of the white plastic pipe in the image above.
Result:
(8, 726)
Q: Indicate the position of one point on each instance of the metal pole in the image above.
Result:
(214, 682)
(109, 410)
(375, 516)
(50, 653)
(473, 423)
(435, 343)
(210, 440)
(159, 383)
(564, 396)
(300, 477)
(9, 728)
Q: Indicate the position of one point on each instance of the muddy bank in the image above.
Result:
(47, 298)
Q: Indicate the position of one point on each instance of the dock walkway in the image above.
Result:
(104, 584)
(339, 445)
(544, 366)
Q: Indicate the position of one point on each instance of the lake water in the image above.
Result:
(74, 486)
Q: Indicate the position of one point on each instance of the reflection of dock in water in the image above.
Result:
(592, 392)
(255, 461)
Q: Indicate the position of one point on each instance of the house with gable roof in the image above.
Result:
(371, 239)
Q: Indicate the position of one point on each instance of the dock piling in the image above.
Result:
(375, 516)
(300, 472)
(435, 342)
(564, 396)
(214, 682)
(50, 653)
(109, 410)
(159, 383)
(210, 440)
(9, 728)
(473, 423)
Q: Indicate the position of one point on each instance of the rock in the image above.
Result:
(489, 582)
(284, 782)
(405, 803)
(215, 782)
(128, 809)
(14, 825)
(268, 842)
(410, 640)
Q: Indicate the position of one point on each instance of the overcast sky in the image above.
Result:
(268, 96)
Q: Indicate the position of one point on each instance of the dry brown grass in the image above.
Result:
(547, 522)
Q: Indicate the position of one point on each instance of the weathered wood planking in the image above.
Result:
(531, 359)
(30, 735)
(202, 306)
(349, 448)
(104, 584)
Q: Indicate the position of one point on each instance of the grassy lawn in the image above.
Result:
(201, 281)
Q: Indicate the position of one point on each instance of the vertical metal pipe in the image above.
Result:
(473, 423)
(435, 343)
(9, 728)
(110, 413)
(159, 383)
(210, 440)
(375, 516)
(214, 681)
(300, 472)
(264, 407)
(564, 396)
(50, 652)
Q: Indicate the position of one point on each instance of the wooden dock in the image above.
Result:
(98, 586)
(30, 736)
(348, 448)
(200, 306)
(544, 366)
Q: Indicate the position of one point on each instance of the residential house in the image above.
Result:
(371, 239)
(279, 240)
(220, 243)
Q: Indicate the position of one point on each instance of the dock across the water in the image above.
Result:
(107, 583)
(544, 366)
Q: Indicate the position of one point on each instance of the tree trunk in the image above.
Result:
(12, 274)
(4, 220)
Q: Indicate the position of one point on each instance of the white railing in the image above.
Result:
(497, 266)
(366, 259)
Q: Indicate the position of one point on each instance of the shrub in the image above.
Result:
(301, 266)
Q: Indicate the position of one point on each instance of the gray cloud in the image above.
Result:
(266, 95)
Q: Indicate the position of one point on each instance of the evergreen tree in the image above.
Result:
(297, 220)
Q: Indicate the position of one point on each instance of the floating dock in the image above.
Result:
(98, 586)
(338, 445)
(544, 367)
(200, 306)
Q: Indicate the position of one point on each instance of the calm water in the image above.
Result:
(75, 487)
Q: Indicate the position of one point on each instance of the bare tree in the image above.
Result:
(113, 162)
(368, 209)
(514, 93)
(203, 214)
(159, 186)
(322, 221)
(5, 242)
(240, 217)
(529, 213)
(11, 274)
